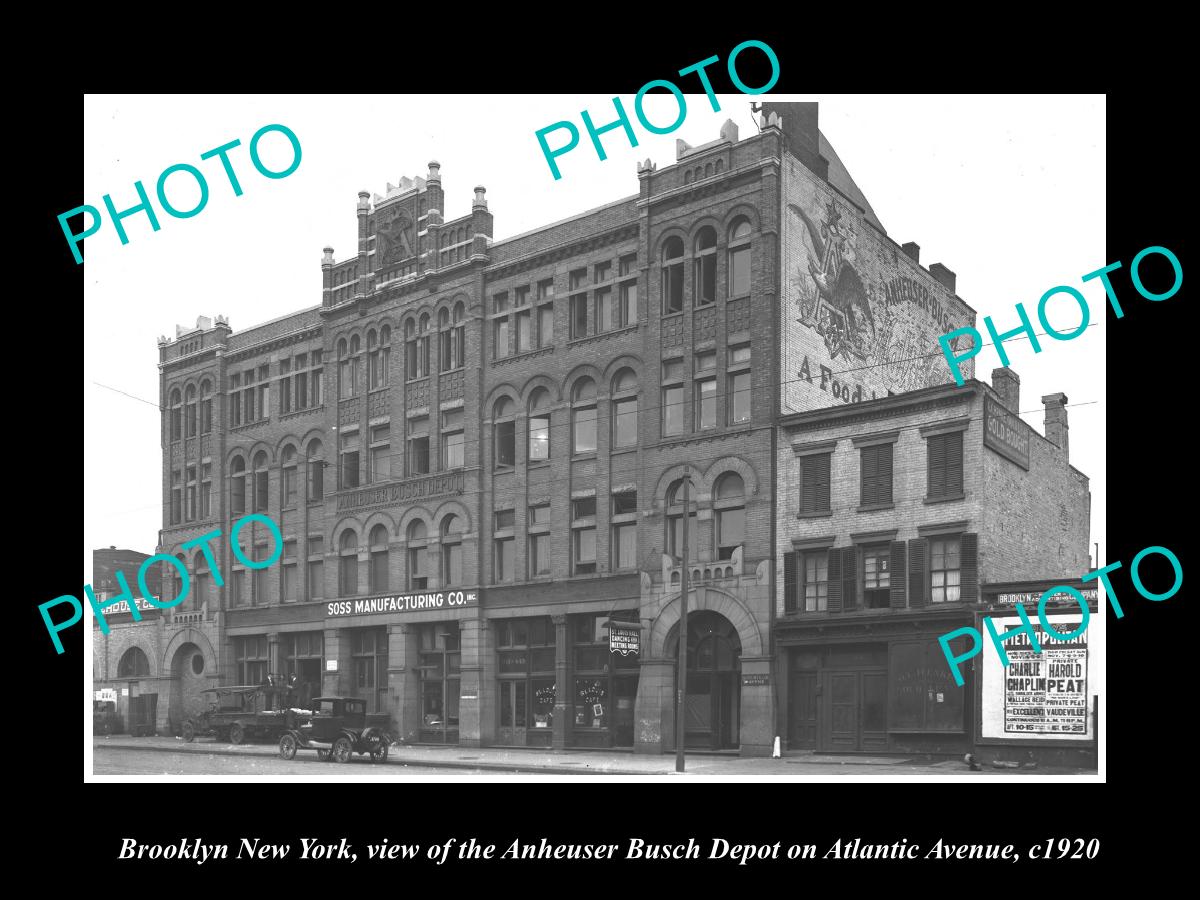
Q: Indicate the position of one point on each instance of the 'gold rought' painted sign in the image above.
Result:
(1005, 433)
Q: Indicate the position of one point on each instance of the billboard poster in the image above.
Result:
(859, 317)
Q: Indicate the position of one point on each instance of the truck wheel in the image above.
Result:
(287, 747)
(236, 733)
(341, 749)
(189, 731)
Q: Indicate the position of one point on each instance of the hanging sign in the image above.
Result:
(624, 638)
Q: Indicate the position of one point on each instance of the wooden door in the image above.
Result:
(842, 689)
(803, 718)
(513, 712)
(873, 731)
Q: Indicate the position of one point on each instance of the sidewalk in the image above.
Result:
(579, 762)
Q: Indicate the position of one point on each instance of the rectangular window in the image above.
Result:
(706, 278)
(235, 400)
(814, 483)
(177, 498)
(418, 446)
(577, 279)
(876, 575)
(627, 307)
(261, 484)
(628, 265)
(875, 464)
(264, 392)
(546, 325)
(731, 531)
(815, 572)
(521, 297)
(504, 557)
(584, 551)
(739, 397)
(706, 403)
(539, 437)
(315, 376)
(540, 514)
(606, 313)
(205, 490)
(625, 422)
(248, 399)
(316, 476)
(418, 579)
(672, 412)
(500, 303)
(602, 272)
(739, 272)
(349, 460)
(624, 546)
(945, 465)
(739, 355)
(189, 506)
(506, 443)
(523, 338)
(583, 508)
(624, 502)
(285, 386)
(945, 569)
(381, 453)
(316, 569)
(584, 430)
(545, 290)
(287, 582)
(579, 316)
(706, 362)
(288, 488)
(672, 288)
(453, 443)
(539, 554)
(237, 494)
(500, 337)
(238, 589)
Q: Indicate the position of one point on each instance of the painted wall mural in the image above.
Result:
(859, 317)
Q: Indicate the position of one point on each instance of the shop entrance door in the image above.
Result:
(855, 716)
(714, 683)
(803, 718)
(513, 718)
(308, 681)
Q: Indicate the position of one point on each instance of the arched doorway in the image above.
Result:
(188, 678)
(713, 683)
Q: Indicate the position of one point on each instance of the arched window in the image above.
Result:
(288, 481)
(739, 258)
(345, 384)
(355, 360)
(237, 486)
(378, 573)
(348, 563)
(385, 355)
(200, 580)
(674, 538)
(583, 416)
(704, 278)
(539, 424)
(316, 470)
(176, 415)
(205, 407)
(423, 343)
(372, 360)
(451, 551)
(720, 166)
(417, 538)
(189, 410)
(625, 409)
(133, 664)
(672, 275)
(410, 349)
(729, 504)
(707, 169)
(261, 476)
(504, 433)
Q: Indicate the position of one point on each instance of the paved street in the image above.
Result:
(123, 755)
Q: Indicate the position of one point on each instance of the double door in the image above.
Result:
(839, 710)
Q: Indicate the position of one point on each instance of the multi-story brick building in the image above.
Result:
(476, 449)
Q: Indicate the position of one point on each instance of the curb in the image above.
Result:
(427, 763)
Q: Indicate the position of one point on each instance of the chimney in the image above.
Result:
(912, 250)
(1008, 385)
(799, 125)
(1056, 420)
(943, 276)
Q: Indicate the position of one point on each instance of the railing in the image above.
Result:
(713, 570)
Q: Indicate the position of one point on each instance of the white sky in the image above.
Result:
(1008, 192)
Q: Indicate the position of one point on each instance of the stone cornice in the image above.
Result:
(573, 247)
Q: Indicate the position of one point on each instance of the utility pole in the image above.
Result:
(681, 694)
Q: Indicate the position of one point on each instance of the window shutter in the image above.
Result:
(954, 463)
(868, 465)
(822, 497)
(883, 474)
(936, 448)
(849, 578)
(918, 572)
(808, 485)
(969, 560)
(833, 600)
(897, 599)
(790, 586)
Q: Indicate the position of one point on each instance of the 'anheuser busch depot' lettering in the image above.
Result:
(147, 207)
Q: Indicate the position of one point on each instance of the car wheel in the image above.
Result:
(380, 753)
(189, 731)
(287, 747)
(341, 749)
(236, 733)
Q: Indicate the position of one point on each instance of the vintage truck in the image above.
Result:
(238, 712)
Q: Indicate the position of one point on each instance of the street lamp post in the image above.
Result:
(681, 693)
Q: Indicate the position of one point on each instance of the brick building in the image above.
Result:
(475, 449)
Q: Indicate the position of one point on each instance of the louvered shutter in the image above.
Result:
(936, 448)
(897, 550)
(790, 583)
(883, 475)
(808, 485)
(822, 496)
(918, 572)
(969, 560)
(849, 578)
(834, 591)
(868, 464)
(954, 463)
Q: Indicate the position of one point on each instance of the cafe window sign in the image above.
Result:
(624, 638)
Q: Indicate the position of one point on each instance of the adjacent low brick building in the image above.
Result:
(476, 451)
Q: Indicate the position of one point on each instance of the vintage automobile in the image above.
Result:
(105, 718)
(337, 728)
(238, 712)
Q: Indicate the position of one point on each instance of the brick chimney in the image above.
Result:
(912, 250)
(1008, 385)
(799, 124)
(943, 276)
(1056, 420)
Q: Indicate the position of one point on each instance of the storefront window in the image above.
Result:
(605, 683)
(440, 663)
(250, 654)
(527, 687)
(369, 652)
(303, 658)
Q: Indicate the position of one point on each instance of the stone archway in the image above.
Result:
(192, 668)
